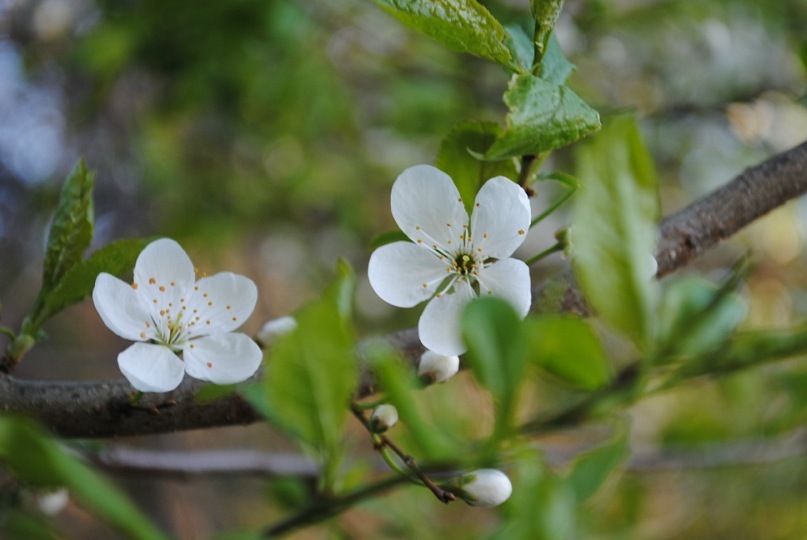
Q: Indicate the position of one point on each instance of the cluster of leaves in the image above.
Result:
(67, 277)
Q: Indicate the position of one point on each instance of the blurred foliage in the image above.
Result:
(283, 123)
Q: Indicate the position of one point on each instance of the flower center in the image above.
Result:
(465, 264)
(171, 332)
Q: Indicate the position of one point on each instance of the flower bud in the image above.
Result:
(485, 487)
(436, 368)
(275, 328)
(384, 417)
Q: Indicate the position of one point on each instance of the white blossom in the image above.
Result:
(452, 259)
(485, 487)
(167, 312)
(437, 368)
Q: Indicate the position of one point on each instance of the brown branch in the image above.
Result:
(102, 409)
(173, 464)
(693, 230)
(710, 220)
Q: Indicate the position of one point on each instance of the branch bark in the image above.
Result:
(708, 221)
(104, 409)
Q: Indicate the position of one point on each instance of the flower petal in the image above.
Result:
(405, 275)
(122, 309)
(151, 368)
(219, 303)
(222, 358)
(501, 218)
(508, 279)
(427, 207)
(486, 488)
(439, 325)
(164, 275)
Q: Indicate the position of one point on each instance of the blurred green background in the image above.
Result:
(265, 135)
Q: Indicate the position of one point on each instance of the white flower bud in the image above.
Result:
(51, 503)
(384, 417)
(436, 368)
(274, 328)
(485, 487)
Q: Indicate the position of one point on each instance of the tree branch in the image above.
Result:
(103, 409)
(693, 230)
(175, 464)
(185, 464)
(710, 220)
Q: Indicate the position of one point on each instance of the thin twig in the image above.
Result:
(384, 441)
(323, 509)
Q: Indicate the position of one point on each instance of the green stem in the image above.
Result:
(326, 508)
(546, 14)
(390, 460)
(368, 405)
(527, 166)
(549, 251)
(8, 332)
(557, 204)
(622, 391)
(382, 441)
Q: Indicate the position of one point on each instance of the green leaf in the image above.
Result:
(592, 469)
(749, 349)
(521, 47)
(117, 258)
(697, 317)
(541, 506)
(543, 116)
(399, 384)
(456, 158)
(497, 353)
(212, 392)
(567, 348)
(613, 231)
(555, 68)
(460, 25)
(312, 373)
(237, 535)
(72, 228)
(38, 460)
(19, 524)
(343, 288)
(545, 13)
